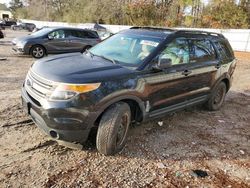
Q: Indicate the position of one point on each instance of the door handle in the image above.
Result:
(186, 72)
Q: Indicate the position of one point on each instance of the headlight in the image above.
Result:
(20, 44)
(67, 91)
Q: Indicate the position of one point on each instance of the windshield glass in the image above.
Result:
(42, 32)
(126, 49)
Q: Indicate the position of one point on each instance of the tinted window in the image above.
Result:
(224, 51)
(93, 34)
(177, 51)
(201, 50)
(89, 34)
(70, 34)
(81, 34)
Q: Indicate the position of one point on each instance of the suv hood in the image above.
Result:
(78, 68)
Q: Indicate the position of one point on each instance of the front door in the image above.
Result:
(167, 89)
(57, 43)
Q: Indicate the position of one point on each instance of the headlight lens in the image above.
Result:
(67, 91)
(21, 44)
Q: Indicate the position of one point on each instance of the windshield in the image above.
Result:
(42, 32)
(126, 49)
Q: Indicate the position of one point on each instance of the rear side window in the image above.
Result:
(201, 50)
(83, 34)
(225, 51)
(92, 34)
(177, 51)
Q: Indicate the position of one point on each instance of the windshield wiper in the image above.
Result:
(101, 56)
(109, 59)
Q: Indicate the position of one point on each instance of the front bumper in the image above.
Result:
(18, 50)
(60, 122)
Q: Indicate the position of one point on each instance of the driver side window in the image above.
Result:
(177, 51)
(58, 34)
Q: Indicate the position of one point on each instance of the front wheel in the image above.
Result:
(37, 51)
(113, 129)
(217, 98)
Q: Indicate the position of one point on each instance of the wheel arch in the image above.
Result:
(136, 106)
(224, 78)
(227, 82)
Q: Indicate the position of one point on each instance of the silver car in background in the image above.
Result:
(55, 40)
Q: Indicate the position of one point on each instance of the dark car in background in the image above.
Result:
(136, 75)
(54, 40)
(1, 34)
(24, 26)
(6, 23)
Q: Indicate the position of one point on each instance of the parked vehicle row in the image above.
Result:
(16, 25)
(134, 76)
(54, 40)
(24, 26)
(6, 23)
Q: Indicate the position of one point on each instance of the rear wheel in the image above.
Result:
(37, 51)
(113, 129)
(217, 98)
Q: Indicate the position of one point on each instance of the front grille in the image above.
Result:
(38, 87)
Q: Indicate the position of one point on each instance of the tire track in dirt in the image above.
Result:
(40, 146)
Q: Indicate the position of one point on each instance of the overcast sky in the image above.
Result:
(5, 1)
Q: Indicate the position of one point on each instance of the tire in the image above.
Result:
(113, 129)
(85, 48)
(37, 51)
(217, 98)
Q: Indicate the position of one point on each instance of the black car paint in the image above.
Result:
(1, 34)
(150, 93)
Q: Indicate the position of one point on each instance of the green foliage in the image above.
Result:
(15, 4)
(224, 15)
(3, 7)
(170, 13)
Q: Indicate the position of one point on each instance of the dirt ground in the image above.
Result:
(155, 156)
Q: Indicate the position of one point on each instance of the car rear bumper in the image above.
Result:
(69, 125)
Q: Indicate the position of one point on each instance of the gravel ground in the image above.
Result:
(155, 156)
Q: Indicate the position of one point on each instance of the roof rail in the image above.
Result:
(153, 28)
(200, 32)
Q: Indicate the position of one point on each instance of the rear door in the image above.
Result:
(89, 38)
(203, 68)
(78, 39)
(74, 42)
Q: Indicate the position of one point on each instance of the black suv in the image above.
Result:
(133, 76)
(4, 24)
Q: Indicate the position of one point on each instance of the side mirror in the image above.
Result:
(50, 37)
(162, 63)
